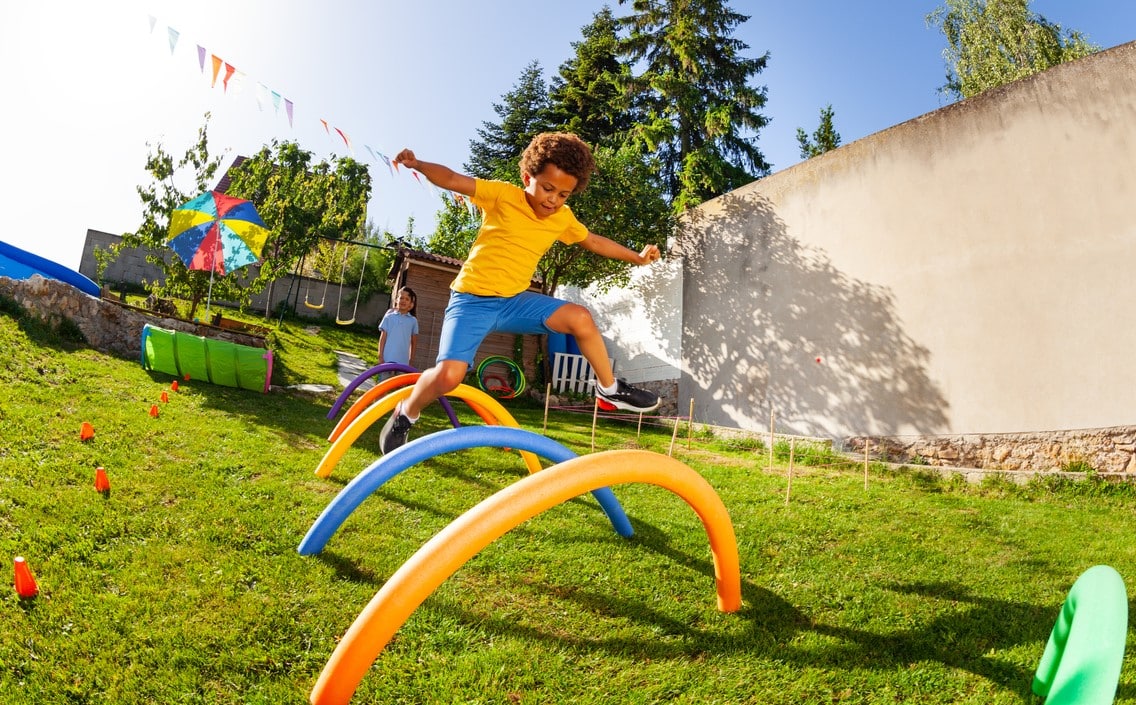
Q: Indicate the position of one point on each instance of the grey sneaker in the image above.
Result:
(394, 431)
(630, 398)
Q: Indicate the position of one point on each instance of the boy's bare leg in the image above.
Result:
(439, 380)
(577, 321)
(434, 382)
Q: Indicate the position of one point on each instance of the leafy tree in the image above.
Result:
(622, 202)
(159, 199)
(524, 114)
(586, 96)
(694, 86)
(301, 203)
(992, 42)
(824, 139)
(456, 228)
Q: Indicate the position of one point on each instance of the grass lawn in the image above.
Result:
(183, 584)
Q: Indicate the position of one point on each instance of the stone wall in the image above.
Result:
(1105, 450)
(108, 326)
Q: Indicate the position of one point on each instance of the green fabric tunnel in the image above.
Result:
(217, 361)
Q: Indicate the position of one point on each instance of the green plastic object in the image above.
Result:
(1081, 663)
(217, 361)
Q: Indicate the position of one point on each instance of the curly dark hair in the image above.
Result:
(561, 149)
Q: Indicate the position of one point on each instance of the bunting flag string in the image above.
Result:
(232, 80)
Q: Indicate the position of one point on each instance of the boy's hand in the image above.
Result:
(406, 158)
(649, 254)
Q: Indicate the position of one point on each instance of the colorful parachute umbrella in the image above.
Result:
(217, 232)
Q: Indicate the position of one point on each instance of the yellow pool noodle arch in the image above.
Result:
(485, 406)
(382, 389)
(471, 532)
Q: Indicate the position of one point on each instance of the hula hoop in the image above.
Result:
(518, 374)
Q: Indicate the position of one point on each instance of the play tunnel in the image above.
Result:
(217, 361)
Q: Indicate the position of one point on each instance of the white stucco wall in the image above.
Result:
(969, 271)
(642, 323)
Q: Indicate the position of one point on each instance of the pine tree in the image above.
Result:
(824, 139)
(586, 94)
(701, 113)
(524, 113)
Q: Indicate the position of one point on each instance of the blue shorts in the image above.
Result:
(469, 318)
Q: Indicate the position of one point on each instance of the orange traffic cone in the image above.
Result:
(174, 385)
(25, 583)
(86, 431)
(102, 482)
(165, 398)
(154, 410)
(186, 376)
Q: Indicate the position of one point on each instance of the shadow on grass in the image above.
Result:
(963, 640)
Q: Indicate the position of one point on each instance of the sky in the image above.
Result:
(93, 88)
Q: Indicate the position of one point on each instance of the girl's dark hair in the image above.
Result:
(413, 299)
(562, 149)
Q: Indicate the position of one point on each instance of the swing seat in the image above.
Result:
(310, 305)
(347, 322)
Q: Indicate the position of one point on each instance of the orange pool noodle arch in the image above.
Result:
(471, 532)
(486, 407)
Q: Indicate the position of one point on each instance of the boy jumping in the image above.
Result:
(490, 293)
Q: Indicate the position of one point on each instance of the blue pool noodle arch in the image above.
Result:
(447, 441)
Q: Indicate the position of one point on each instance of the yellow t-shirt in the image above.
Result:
(511, 241)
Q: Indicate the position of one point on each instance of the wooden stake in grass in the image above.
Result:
(789, 484)
(770, 468)
(674, 435)
(690, 425)
(547, 396)
(867, 445)
(595, 415)
(639, 429)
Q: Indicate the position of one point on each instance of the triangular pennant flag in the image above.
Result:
(237, 83)
(345, 140)
(153, 23)
(387, 162)
(261, 96)
(229, 71)
(288, 109)
(325, 128)
(216, 70)
(201, 57)
(173, 37)
(373, 157)
(415, 174)
(276, 101)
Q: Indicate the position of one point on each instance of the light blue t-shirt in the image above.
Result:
(399, 328)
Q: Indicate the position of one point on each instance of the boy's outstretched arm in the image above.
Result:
(438, 174)
(605, 247)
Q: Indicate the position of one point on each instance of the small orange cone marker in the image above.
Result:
(154, 410)
(25, 583)
(165, 398)
(174, 385)
(186, 376)
(86, 431)
(102, 482)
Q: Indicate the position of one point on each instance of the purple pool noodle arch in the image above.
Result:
(379, 369)
(426, 447)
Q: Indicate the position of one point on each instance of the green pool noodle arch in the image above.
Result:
(217, 361)
(1081, 663)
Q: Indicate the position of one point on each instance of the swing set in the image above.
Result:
(342, 277)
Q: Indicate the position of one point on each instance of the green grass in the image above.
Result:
(184, 585)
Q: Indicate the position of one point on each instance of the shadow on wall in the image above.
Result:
(760, 310)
